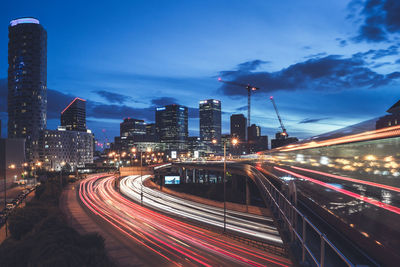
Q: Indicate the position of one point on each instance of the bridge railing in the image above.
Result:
(300, 229)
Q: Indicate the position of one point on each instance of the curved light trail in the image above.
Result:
(388, 187)
(245, 224)
(344, 191)
(175, 242)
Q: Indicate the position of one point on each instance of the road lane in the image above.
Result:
(177, 243)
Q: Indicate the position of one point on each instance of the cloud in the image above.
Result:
(380, 18)
(251, 65)
(316, 55)
(308, 120)
(330, 73)
(242, 108)
(113, 97)
(392, 50)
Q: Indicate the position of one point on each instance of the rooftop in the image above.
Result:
(23, 20)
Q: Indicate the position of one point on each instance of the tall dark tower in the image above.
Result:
(73, 117)
(238, 127)
(27, 82)
(172, 126)
(210, 122)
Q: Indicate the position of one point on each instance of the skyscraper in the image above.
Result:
(27, 82)
(172, 126)
(133, 127)
(210, 122)
(238, 127)
(256, 142)
(238, 130)
(73, 117)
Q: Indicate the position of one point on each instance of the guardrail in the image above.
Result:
(300, 229)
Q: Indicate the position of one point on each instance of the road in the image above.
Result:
(247, 225)
(168, 241)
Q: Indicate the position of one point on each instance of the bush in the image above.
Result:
(23, 220)
(40, 237)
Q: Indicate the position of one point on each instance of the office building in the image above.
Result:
(27, 83)
(12, 158)
(133, 128)
(390, 120)
(238, 131)
(210, 123)
(282, 140)
(238, 127)
(151, 133)
(59, 147)
(172, 126)
(256, 142)
(73, 117)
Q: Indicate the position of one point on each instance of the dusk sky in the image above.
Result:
(329, 64)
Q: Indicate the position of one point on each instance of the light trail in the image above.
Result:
(364, 136)
(178, 243)
(238, 222)
(388, 187)
(344, 191)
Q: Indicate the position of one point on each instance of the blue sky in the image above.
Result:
(328, 64)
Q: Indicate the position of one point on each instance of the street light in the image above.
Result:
(234, 142)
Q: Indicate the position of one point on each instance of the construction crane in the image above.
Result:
(249, 88)
(284, 133)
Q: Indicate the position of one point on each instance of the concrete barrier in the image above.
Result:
(125, 171)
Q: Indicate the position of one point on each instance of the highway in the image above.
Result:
(245, 224)
(167, 241)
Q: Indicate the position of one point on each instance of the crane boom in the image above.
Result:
(249, 89)
(279, 117)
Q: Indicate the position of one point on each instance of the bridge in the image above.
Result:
(335, 201)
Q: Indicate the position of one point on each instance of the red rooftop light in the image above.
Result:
(76, 98)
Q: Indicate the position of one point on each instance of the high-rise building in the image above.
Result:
(151, 133)
(390, 120)
(238, 127)
(172, 126)
(133, 127)
(256, 142)
(210, 123)
(73, 117)
(27, 83)
(61, 146)
(282, 140)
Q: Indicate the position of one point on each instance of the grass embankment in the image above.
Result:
(41, 237)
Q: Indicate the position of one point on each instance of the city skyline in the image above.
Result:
(121, 77)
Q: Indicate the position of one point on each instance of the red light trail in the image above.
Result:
(344, 191)
(175, 241)
(388, 187)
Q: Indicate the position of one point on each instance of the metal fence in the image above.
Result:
(302, 232)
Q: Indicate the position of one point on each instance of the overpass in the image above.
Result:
(336, 201)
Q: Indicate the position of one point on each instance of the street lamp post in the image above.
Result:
(234, 141)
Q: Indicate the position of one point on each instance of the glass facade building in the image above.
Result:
(172, 126)
(210, 123)
(73, 117)
(27, 83)
(133, 127)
